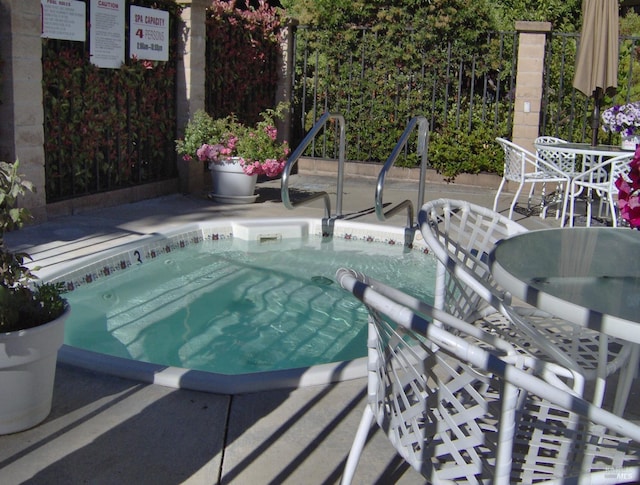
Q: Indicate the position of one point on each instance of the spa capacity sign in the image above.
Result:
(63, 19)
(149, 38)
(106, 33)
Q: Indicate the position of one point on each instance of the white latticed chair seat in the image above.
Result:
(461, 406)
(564, 161)
(461, 235)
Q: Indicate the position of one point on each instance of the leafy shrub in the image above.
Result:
(243, 45)
(452, 152)
(21, 306)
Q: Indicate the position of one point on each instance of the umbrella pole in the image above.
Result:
(595, 122)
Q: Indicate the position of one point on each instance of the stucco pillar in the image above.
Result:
(191, 84)
(21, 112)
(529, 82)
(285, 76)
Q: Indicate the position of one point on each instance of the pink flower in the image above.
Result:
(629, 192)
(210, 153)
(272, 132)
(251, 168)
(202, 152)
(272, 167)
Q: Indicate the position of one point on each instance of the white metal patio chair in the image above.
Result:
(461, 235)
(599, 179)
(522, 167)
(563, 161)
(462, 409)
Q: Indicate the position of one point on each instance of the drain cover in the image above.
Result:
(322, 280)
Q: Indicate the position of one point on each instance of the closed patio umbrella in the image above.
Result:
(597, 57)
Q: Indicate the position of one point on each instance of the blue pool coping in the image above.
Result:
(197, 380)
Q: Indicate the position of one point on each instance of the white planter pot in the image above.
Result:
(629, 142)
(231, 184)
(27, 372)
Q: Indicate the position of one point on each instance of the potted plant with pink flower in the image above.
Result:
(235, 154)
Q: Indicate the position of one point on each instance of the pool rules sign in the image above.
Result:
(149, 34)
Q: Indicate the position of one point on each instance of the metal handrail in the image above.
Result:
(423, 134)
(297, 153)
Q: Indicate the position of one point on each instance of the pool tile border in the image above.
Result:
(162, 245)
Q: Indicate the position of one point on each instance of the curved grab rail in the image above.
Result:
(423, 134)
(297, 153)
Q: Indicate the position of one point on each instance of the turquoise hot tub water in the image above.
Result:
(236, 307)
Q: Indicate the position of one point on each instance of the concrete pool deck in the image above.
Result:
(106, 430)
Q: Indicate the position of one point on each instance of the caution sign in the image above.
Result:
(149, 34)
(106, 33)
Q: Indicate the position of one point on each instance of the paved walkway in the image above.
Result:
(109, 430)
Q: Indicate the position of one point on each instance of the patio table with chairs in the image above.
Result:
(573, 167)
(594, 169)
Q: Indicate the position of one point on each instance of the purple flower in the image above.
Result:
(623, 119)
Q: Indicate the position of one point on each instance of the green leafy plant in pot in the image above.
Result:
(32, 319)
(236, 154)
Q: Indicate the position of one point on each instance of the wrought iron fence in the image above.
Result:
(107, 129)
(127, 138)
(457, 91)
(378, 92)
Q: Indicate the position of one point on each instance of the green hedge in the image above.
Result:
(380, 79)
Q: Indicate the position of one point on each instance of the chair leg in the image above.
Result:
(601, 376)
(572, 206)
(589, 201)
(625, 379)
(495, 201)
(565, 201)
(613, 211)
(515, 199)
(358, 445)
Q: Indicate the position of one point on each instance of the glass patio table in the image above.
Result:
(591, 154)
(587, 275)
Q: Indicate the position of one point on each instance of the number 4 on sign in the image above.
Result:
(139, 33)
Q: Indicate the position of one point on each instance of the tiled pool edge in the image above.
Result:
(124, 257)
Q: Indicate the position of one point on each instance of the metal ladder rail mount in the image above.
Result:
(297, 153)
(423, 134)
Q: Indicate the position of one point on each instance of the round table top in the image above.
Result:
(584, 149)
(590, 276)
